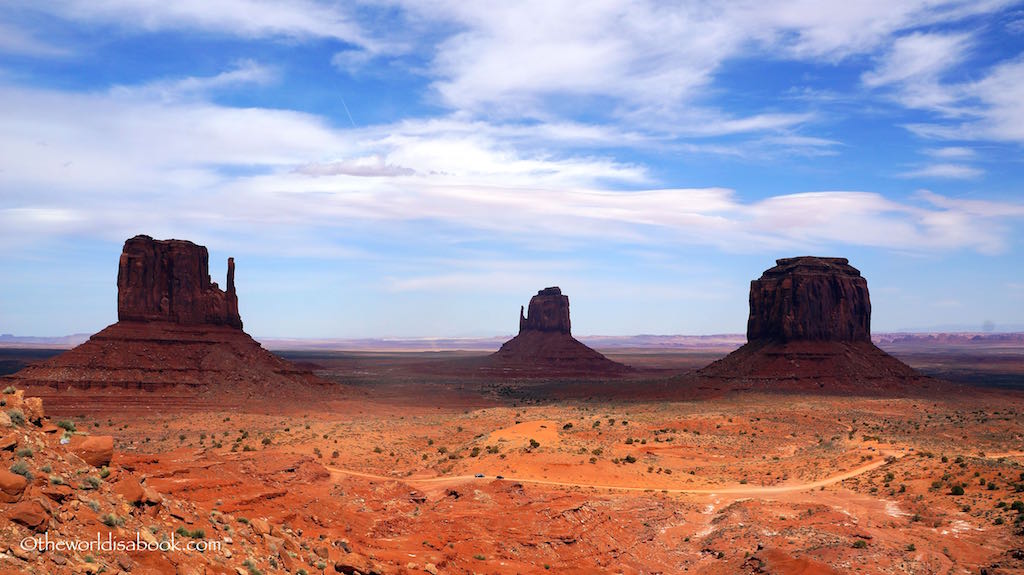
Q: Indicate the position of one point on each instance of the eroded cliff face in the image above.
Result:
(548, 312)
(810, 299)
(169, 280)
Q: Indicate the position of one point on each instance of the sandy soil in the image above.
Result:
(728, 482)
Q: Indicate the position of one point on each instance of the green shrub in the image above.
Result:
(25, 452)
(956, 490)
(111, 520)
(21, 468)
(194, 534)
(17, 416)
(860, 544)
(9, 390)
(66, 424)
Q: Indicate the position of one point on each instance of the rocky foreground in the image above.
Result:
(59, 484)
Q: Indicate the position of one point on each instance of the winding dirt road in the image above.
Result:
(738, 490)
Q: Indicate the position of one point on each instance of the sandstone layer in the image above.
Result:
(169, 280)
(810, 327)
(176, 329)
(545, 345)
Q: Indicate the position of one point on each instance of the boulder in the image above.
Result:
(12, 486)
(31, 514)
(9, 441)
(96, 450)
(33, 408)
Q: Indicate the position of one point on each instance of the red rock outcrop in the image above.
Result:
(810, 299)
(169, 280)
(545, 346)
(810, 327)
(176, 329)
(548, 312)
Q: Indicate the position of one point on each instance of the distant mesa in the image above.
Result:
(810, 325)
(545, 345)
(176, 329)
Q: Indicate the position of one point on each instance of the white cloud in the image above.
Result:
(655, 60)
(244, 72)
(919, 56)
(16, 39)
(944, 171)
(951, 153)
(244, 18)
(112, 163)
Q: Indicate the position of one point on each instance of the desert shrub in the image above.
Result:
(21, 468)
(860, 544)
(534, 444)
(91, 482)
(911, 547)
(475, 452)
(25, 452)
(266, 441)
(104, 472)
(999, 521)
(630, 459)
(956, 490)
(66, 424)
(9, 390)
(479, 557)
(111, 520)
(194, 534)
(1017, 506)
(56, 480)
(17, 416)
(567, 426)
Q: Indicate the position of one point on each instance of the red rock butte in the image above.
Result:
(176, 330)
(545, 345)
(169, 280)
(810, 326)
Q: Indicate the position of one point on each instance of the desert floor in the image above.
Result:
(421, 473)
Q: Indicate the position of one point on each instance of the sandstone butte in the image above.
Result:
(175, 328)
(545, 345)
(810, 326)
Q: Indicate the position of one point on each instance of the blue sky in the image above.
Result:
(403, 168)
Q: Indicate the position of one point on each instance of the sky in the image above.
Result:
(400, 168)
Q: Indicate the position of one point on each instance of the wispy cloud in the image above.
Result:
(245, 18)
(944, 171)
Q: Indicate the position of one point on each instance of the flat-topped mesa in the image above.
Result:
(548, 312)
(810, 299)
(169, 280)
